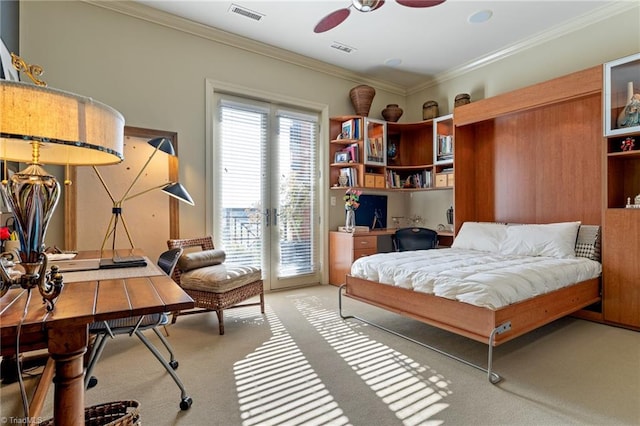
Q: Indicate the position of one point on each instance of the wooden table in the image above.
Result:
(66, 329)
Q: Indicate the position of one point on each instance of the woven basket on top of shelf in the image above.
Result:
(361, 98)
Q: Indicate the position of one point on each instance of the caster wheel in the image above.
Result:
(186, 402)
(174, 364)
(93, 381)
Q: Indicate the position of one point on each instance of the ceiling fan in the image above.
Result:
(337, 17)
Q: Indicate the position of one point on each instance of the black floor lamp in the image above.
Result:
(173, 189)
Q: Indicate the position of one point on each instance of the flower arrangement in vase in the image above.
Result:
(351, 203)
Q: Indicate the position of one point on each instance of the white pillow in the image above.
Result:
(551, 240)
(483, 236)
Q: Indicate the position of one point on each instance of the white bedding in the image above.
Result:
(480, 278)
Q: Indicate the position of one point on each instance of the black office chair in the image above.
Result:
(136, 325)
(406, 239)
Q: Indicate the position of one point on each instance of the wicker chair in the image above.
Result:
(218, 286)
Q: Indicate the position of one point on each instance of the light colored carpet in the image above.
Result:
(301, 364)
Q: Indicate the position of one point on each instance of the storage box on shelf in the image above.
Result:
(444, 178)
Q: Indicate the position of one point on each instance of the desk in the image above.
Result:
(66, 329)
(346, 247)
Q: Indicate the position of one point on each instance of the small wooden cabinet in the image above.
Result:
(621, 269)
(346, 247)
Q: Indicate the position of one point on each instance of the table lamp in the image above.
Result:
(40, 125)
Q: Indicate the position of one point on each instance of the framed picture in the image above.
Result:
(341, 157)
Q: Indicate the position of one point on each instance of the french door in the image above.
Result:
(266, 189)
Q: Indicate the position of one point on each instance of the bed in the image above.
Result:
(496, 282)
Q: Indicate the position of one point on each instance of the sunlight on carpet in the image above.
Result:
(276, 383)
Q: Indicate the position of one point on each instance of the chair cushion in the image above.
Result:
(220, 278)
(201, 259)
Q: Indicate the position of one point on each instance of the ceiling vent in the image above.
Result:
(245, 12)
(343, 47)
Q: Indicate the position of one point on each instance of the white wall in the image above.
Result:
(155, 76)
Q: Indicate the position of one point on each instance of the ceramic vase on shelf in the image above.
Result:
(350, 221)
(361, 98)
(392, 113)
(392, 152)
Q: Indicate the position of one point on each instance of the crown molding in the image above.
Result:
(593, 17)
(146, 13)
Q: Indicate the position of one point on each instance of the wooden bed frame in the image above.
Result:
(512, 152)
(492, 327)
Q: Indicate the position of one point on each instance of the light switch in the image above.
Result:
(333, 201)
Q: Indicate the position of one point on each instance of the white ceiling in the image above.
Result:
(427, 41)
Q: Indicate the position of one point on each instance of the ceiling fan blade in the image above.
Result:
(332, 20)
(420, 3)
(378, 5)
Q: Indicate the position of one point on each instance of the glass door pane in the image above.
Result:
(266, 198)
(240, 201)
(296, 199)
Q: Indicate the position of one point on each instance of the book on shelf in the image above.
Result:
(445, 147)
(354, 155)
(351, 174)
(420, 179)
(375, 150)
(347, 129)
(351, 129)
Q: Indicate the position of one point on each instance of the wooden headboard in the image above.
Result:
(533, 155)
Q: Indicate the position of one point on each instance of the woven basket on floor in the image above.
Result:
(117, 413)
